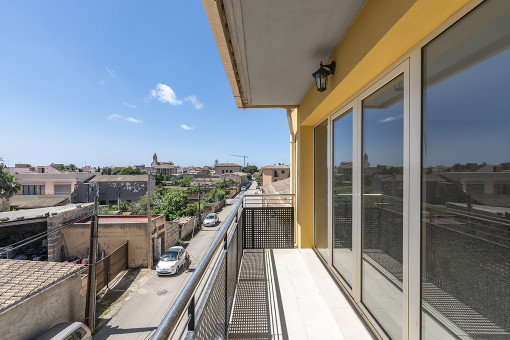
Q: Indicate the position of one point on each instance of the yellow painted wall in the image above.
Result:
(383, 32)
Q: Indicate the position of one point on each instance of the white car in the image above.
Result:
(66, 330)
(211, 220)
(172, 261)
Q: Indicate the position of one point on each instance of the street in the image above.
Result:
(147, 299)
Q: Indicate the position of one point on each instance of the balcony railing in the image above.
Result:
(204, 308)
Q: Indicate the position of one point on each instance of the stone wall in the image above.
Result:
(214, 208)
(178, 229)
(55, 223)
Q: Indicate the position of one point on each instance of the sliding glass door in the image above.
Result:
(466, 178)
(382, 204)
(343, 259)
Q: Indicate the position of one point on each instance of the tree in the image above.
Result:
(216, 162)
(250, 169)
(258, 179)
(7, 187)
(131, 171)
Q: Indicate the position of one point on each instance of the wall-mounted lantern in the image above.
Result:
(321, 75)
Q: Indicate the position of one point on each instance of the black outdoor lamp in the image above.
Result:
(321, 75)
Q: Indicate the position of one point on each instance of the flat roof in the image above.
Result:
(21, 278)
(28, 214)
(116, 219)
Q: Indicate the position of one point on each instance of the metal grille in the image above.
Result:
(250, 318)
(211, 324)
(268, 227)
(213, 320)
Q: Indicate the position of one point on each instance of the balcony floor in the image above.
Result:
(288, 294)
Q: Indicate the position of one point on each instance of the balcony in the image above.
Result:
(253, 283)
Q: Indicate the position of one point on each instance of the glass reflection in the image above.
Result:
(382, 208)
(342, 196)
(321, 188)
(466, 178)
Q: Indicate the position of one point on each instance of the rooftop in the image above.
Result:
(20, 279)
(227, 164)
(118, 219)
(278, 187)
(35, 201)
(118, 178)
(276, 167)
(38, 213)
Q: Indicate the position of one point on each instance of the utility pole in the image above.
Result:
(243, 157)
(149, 220)
(91, 277)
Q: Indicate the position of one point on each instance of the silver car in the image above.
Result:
(67, 330)
(211, 220)
(172, 261)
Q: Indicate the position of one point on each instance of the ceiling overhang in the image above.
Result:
(270, 48)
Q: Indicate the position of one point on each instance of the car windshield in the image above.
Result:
(170, 256)
(209, 217)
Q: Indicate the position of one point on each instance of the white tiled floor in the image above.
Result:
(313, 305)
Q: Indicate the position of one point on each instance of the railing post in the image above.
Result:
(225, 247)
(191, 313)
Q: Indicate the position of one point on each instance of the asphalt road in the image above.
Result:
(148, 298)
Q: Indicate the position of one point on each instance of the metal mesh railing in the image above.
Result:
(268, 227)
(204, 307)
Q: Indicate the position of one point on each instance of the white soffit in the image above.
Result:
(278, 44)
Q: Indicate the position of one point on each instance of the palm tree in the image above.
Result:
(7, 187)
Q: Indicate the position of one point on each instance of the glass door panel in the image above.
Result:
(465, 266)
(342, 196)
(382, 205)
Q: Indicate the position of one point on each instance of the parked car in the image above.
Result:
(67, 330)
(171, 261)
(211, 220)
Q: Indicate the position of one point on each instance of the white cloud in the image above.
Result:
(390, 119)
(185, 127)
(110, 71)
(165, 94)
(193, 100)
(127, 119)
(131, 106)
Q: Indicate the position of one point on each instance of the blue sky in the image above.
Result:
(112, 82)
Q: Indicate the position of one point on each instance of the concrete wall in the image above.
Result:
(111, 236)
(55, 240)
(128, 191)
(63, 302)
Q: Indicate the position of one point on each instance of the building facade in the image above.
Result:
(226, 168)
(162, 168)
(273, 173)
(416, 83)
(50, 183)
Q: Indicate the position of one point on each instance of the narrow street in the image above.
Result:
(147, 299)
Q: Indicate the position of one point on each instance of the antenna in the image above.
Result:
(243, 157)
